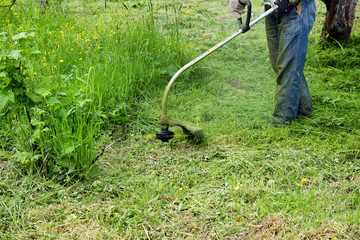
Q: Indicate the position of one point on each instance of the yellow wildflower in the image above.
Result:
(304, 181)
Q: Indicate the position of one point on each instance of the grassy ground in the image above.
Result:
(247, 180)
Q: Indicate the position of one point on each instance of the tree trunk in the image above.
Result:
(339, 19)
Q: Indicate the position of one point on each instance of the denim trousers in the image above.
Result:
(287, 37)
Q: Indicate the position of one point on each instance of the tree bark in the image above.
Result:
(339, 20)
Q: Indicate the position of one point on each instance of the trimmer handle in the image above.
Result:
(245, 27)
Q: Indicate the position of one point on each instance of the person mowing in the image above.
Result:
(287, 32)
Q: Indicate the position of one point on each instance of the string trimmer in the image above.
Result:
(165, 134)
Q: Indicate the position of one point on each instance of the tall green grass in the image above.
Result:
(94, 69)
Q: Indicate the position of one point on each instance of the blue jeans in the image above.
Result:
(287, 37)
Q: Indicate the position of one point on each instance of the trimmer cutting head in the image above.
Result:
(164, 134)
(190, 130)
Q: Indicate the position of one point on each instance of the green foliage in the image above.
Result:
(15, 91)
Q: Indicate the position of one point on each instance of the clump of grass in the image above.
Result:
(343, 60)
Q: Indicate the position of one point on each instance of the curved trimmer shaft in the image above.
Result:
(165, 120)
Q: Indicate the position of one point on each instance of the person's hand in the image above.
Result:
(237, 8)
(270, 3)
(283, 5)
